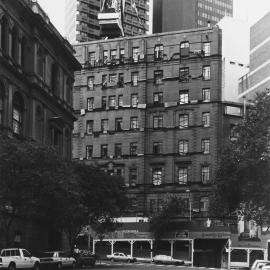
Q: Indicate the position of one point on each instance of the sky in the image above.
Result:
(247, 10)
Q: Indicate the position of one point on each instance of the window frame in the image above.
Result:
(206, 94)
(205, 146)
(157, 176)
(183, 178)
(206, 73)
(185, 120)
(87, 148)
(184, 97)
(118, 124)
(90, 103)
(158, 121)
(89, 126)
(134, 122)
(206, 119)
(104, 150)
(135, 78)
(184, 74)
(205, 174)
(134, 100)
(158, 77)
(183, 147)
(133, 149)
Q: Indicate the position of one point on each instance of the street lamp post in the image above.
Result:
(188, 191)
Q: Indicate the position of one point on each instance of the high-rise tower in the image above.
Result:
(173, 15)
(82, 18)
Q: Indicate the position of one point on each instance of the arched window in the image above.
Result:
(39, 121)
(2, 92)
(14, 43)
(55, 79)
(17, 113)
(23, 51)
(4, 34)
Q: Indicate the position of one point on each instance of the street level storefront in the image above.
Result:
(243, 252)
(196, 245)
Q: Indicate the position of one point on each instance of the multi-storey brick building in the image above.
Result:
(36, 77)
(172, 15)
(82, 23)
(150, 110)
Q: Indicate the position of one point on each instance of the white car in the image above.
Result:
(120, 256)
(58, 259)
(258, 264)
(165, 259)
(18, 258)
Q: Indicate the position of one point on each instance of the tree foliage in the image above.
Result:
(242, 184)
(37, 184)
(162, 221)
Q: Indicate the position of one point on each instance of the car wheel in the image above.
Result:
(128, 261)
(73, 266)
(59, 266)
(36, 266)
(112, 260)
(12, 266)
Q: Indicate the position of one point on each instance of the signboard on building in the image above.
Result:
(210, 235)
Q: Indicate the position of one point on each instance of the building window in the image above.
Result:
(206, 48)
(118, 150)
(206, 94)
(112, 101)
(183, 147)
(104, 125)
(157, 147)
(157, 176)
(4, 34)
(120, 101)
(104, 81)
(122, 55)
(134, 123)
(206, 73)
(158, 121)
(158, 97)
(40, 63)
(184, 49)
(90, 83)
(121, 79)
(119, 124)
(113, 79)
(183, 97)
(158, 76)
(113, 54)
(183, 121)
(89, 126)
(134, 100)
(183, 175)
(1, 104)
(133, 149)
(206, 119)
(134, 78)
(89, 151)
(135, 54)
(104, 150)
(158, 52)
(205, 146)
(90, 104)
(55, 79)
(105, 57)
(23, 51)
(133, 176)
(205, 174)
(92, 58)
(14, 43)
(103, 102)
(17, 114)
(204, 204)
(184, 74)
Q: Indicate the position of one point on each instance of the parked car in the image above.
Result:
(165, 259)
(57, 259)
(266, 267)
(120, 256)
(12, 258)
(258, 264)
(85, 258)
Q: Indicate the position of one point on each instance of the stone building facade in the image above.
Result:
(36, 78)
(149, 109)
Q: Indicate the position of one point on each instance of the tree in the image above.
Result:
(242, 183)
(103, 196)
(162, 221)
